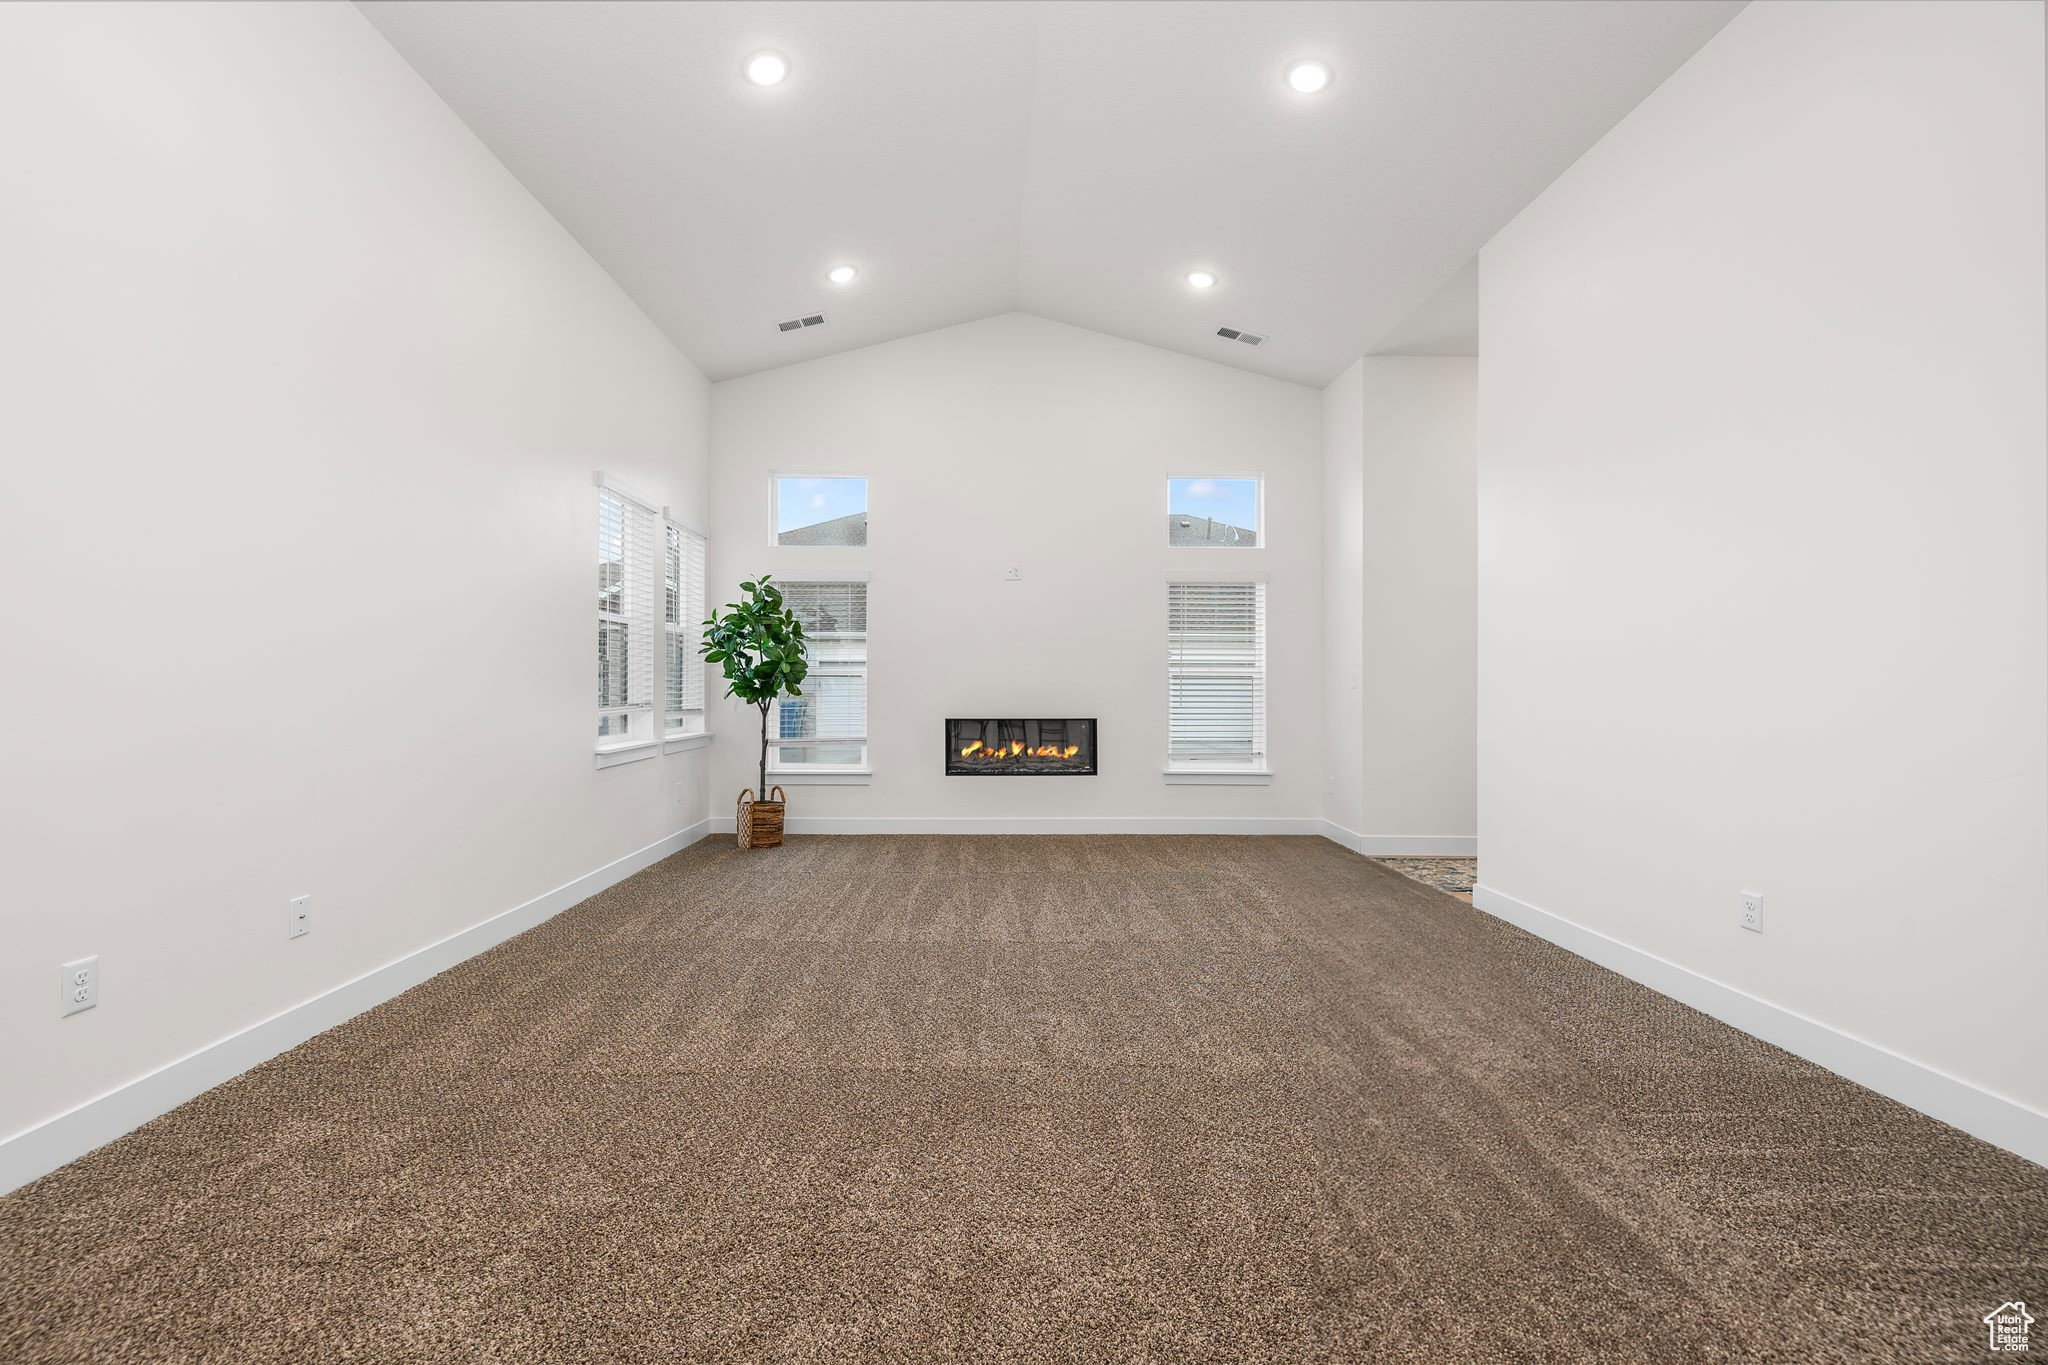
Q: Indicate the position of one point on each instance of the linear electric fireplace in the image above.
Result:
(1020, 748)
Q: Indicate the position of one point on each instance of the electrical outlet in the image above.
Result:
(1752, 911)
(81, 984)
(678, 795)
(301, 922)
(1013, 574)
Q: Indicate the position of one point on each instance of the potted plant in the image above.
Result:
(759, 644)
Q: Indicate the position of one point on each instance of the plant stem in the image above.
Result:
(764, 751)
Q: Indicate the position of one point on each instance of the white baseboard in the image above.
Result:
(1372, 845)
(39, 1150)
(940, 824)
(1402, 845)
(1997, 1120)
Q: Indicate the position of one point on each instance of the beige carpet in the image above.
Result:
(1057, 1099)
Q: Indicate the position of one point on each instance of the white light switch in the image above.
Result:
(302, 917)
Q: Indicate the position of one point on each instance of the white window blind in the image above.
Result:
(683, 613)
(1216, 675)
(628, 575)
(827, 727)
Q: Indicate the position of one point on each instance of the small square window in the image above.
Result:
(820, 510)
(1213, 513)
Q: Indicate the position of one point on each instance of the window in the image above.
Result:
(1216, 676)
(1216, 513)
(626, 616)
(820, 510)
(826, 729)
(683, 611)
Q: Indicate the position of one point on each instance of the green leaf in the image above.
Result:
(758, 644)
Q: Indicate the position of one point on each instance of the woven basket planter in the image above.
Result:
(759, 824)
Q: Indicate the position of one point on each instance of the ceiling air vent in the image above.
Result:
(1232, 334)
(798, 324)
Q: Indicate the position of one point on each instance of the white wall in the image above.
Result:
(1762, 524)
(1400, 608)
(1420, 570)
(303, 394)
(1344, 600)
(1014, 440)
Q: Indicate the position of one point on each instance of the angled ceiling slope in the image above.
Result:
(1445, 323)
(1073, 160)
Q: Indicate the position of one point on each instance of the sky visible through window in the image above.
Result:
(1234, 502)
(808, 501)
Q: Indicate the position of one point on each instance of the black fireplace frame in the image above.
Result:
(1094, 768)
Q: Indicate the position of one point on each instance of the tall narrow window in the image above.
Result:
(826, 729)
(1216, 676)
(683, 614)
(628, 605)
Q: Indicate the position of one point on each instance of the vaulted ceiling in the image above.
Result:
(1073, 160)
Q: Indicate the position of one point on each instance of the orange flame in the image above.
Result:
(1016, 747)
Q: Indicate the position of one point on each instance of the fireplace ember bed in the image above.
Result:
(1020, 748)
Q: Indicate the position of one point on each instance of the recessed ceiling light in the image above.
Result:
(1307, 77)
(842, 274)
(767, 68)
(1201, 279)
